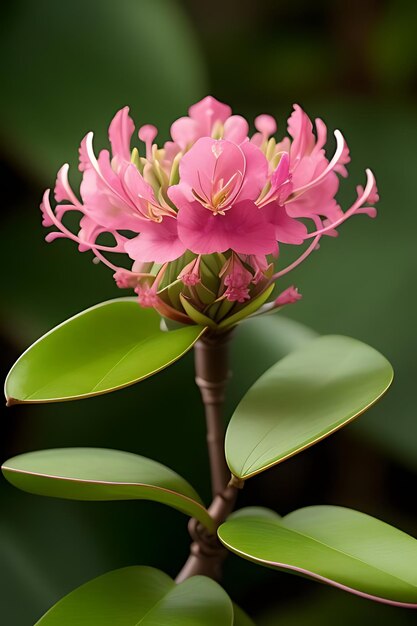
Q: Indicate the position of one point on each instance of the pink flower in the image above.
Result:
(219, 182)
(289, 296)
(147, 296)
(208, 117)
(237, 280)
(190, 274)
(213, 201)
(314, 178)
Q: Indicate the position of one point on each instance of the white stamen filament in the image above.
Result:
(338, 153)
(353, 209)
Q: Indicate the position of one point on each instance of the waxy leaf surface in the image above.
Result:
(100, 474)
(143, 596)
(303, 398)
(334, 545)
(107, 347)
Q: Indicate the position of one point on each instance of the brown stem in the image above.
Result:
(207, 553)
(211, 354)
(212, 373)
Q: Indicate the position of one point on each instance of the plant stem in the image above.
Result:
(211, 356)
(206, 553)
(212, 373)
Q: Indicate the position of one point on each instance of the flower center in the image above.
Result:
(218, 196)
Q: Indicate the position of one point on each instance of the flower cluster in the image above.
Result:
(202, 218)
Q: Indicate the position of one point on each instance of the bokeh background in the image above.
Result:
(65, 69)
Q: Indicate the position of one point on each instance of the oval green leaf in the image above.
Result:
(109, 346)
(143, 596)
(331, 544)
(100, 474)
(303, 398)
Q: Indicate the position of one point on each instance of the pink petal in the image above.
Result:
(321, 131)
(289, 296)
(209, 111)
(89, 231)
(317, 201)
(120, 132)
(242, 229)
(364, 195)
(373, 196)
(158, 242)
(208, 161)
(305, 169)
(138, 190)
(287, 229)
(103, 169)
(63, 189)
(180, 194)
(343, 160)
(125, 279)
(282, 172)
(184, 132)
(284, 145)
(171, 150)
(256, 172)
(257, 139)
(281, 183)
(106, 207)
(46, 210)
(300, 129)
(84, 159)
(236, 129)
(321, 171)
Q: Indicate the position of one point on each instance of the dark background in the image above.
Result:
(66, 69)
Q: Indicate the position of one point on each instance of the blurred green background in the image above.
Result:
(65, 69)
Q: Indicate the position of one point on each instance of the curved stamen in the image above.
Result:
(103, 259)
(93, 160)
(62, 177)
(228, 191)
(147, 134)
(355, 208)
(64, 232)
(338, 153)
(297, 262)
(204, 193)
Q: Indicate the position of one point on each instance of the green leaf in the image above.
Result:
(100, 474)
(143, 596)
(109, 346)
(325, 606)
(334, 545)
(303, 398)
(240, 617)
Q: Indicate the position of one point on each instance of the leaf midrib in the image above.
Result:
(155, 605)
(129, 349)
(122, 358)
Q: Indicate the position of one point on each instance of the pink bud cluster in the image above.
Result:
(203, 216)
